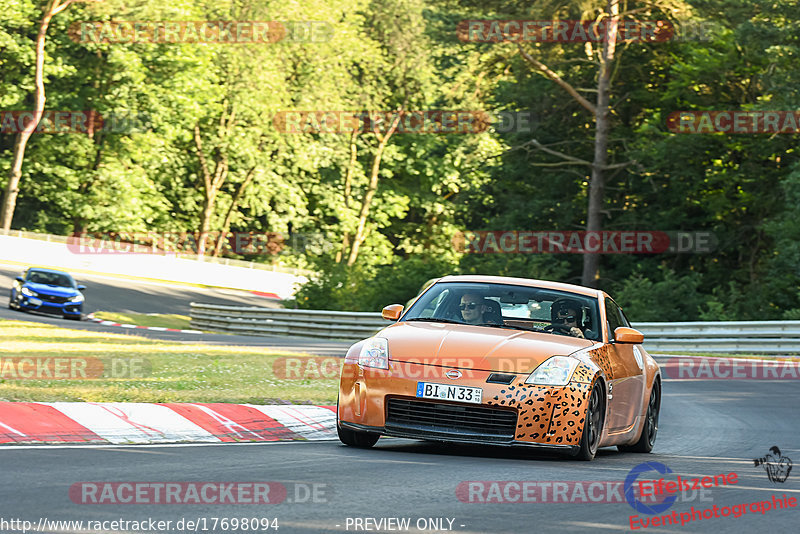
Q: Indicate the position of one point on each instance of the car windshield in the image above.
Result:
(52, 279)
(508, 306)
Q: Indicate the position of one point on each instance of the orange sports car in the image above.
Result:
(505, 361)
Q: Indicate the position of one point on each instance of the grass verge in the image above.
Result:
(181, 322)
(172, 371)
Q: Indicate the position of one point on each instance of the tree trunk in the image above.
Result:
(360, 235)
(226, 225)
(211, 187)
(594, 218)
(12, 188)
(348, 185)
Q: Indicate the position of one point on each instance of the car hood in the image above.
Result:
(476, 347)
(56, 291)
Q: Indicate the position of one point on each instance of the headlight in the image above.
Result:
(27, 292)
(555, 371)
(374, 353)
(77, 298)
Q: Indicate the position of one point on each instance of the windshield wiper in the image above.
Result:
(434, 320)
(509, 327)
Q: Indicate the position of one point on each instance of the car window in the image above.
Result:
(625, 321)
(53, 279)
(430, 307)
(508, 306)
(613, 316)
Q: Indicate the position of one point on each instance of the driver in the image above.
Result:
(568, 313)
(472, 308)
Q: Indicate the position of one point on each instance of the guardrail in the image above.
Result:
(257, 321)
(752, 337)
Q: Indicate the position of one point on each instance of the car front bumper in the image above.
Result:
(384, 401)
(38, 304)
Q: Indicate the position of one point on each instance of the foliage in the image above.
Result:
(386, 55)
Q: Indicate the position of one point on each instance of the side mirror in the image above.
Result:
(392, 312)
(20, 279)
(81, 287)
(623, 334)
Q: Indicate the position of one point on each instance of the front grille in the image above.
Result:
(54, 299)
(53, 310)
(435, 419)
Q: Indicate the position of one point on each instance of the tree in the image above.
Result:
(52, 8)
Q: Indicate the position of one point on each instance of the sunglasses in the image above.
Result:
(469, 306)
(569, 317)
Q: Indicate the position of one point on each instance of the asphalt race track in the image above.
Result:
(123, 296)
(130, 296)
(707, 428)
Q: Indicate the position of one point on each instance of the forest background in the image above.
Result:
(380, 211)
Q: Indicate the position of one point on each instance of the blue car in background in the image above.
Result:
(47, 291)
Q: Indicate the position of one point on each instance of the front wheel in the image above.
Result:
(648, 438)
(354, 438)
(593, 424)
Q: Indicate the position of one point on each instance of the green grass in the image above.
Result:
(181, 322)
(172, 371)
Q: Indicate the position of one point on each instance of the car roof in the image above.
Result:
(529, 282)
(43, 270)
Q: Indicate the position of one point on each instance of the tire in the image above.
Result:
(593, 426)
(11, 300)
(650, 429)
(354, 438)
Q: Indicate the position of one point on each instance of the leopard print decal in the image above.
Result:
(601, 357)
(584, 373)
(550, 415)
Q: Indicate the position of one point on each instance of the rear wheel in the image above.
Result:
(648, 438)
(593, 424)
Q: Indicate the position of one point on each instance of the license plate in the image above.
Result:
(428, 390)
(34, 302)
